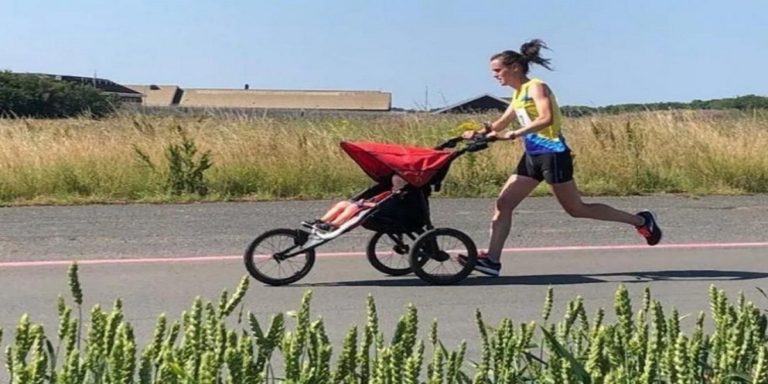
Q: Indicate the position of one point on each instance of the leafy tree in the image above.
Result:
(27, 95)
(742, 103)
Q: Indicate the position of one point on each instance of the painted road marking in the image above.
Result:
(193, 259)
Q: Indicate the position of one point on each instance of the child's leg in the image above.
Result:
(336, 210)
(351, 210)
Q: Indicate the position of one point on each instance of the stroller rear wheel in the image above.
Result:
(388, 252)
(435, 256)
(269, 260)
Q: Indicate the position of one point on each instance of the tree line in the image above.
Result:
(28, 95)
(743, 103)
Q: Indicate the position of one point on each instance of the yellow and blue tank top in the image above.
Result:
(548, 140)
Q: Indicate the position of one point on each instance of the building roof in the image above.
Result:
(482, 103)
(158, 95)
(287, 99)
(103, 85)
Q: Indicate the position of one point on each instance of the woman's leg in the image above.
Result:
(570, 198)
(514, 191)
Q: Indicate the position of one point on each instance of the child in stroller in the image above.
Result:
(395, 209)
(347, 209)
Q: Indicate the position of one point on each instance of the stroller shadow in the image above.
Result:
(561, 279)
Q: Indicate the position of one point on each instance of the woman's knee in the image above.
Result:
(342, 205)
(576, 210)
(503, 210)
(505, 204)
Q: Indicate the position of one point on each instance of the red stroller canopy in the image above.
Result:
(414, 164)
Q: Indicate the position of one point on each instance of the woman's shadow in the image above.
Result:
(563, 279)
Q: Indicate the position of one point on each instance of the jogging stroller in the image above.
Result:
(404, 239)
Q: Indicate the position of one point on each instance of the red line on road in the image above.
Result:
(191, 259)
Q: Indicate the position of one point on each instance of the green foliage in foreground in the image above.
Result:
(644, 345)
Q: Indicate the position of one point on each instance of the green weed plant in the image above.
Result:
(642, 345)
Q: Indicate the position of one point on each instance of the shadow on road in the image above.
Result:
(563, 279)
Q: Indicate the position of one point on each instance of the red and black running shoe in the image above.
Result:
(650, 230)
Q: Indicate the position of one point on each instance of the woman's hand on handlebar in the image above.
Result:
(468, 135)
(487, 128)
(509, 135)
(490, 136)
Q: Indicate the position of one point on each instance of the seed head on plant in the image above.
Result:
(482, 372)
(242, 288)
(23, 336)
(594, 363)
(413, 365)
(623, 309)
(208, 369)
(39, 358)
(548, 301)
(760, 372)
(647, 299)
(345, 366)
(74, 284)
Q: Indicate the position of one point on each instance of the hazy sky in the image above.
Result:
(423, 52)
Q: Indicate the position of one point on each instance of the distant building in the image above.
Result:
(287, 99)
(480, 104)
(268, 99)
(106, 87)
(158, 95)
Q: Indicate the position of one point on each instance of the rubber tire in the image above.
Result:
(370, 252)
(418, 262)
(258, 275)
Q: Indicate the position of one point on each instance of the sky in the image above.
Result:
(427, 53)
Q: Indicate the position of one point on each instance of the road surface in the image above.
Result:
(157, 258)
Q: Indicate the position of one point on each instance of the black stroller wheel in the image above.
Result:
(389, 252)
(435, 256)
(265, 260)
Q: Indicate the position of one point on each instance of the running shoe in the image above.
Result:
(311, 223)
(323, 226)
(650, 230)
(484, 264)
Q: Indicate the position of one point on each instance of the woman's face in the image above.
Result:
(504, 74)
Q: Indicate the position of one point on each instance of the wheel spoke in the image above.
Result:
(263, 264)
(389, 252)
(437, 253)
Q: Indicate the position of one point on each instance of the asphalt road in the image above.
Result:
(157, 258)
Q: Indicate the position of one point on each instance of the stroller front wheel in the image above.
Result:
(388, 252)
(270, 259)
(435, 256)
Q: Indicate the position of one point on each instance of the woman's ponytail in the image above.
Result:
(530, 53)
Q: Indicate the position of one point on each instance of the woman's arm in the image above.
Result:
(502, 122)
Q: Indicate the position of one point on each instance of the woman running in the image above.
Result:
(547, 157)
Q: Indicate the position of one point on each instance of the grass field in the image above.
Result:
(83, 160)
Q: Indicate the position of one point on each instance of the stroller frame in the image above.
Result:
(426, 256)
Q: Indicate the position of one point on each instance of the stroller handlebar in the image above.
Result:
(476, 143)
(450, 143)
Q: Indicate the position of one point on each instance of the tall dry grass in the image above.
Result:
(82, 160)
(699, 152)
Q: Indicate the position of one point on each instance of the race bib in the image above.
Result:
(522, 117)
